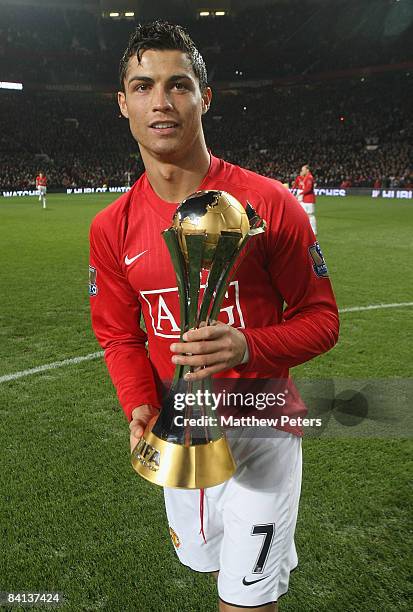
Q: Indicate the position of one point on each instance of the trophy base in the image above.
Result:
(183, 467)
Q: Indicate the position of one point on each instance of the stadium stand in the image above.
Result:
(270, 42)
(280, 98)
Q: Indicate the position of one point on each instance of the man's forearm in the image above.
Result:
(292, 342)
(132, 375)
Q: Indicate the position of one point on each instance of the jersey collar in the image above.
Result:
(166, 209)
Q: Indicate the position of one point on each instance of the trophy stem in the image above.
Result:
(172, 243)
(225, 255)
(222, 283)
(188, 415)
(195, 245)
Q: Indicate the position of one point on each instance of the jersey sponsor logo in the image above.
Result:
(93, 288)
(248, 582)
(330, 192)
(163, 303)
(174, 537)
(130, 261)
(319, 264)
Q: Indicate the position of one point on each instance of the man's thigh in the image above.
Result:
(260, 509)
(308, 207)
(187, 512)
(248, 522)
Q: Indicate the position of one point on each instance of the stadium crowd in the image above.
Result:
(353, 132)
(358, 133)
(52, 45)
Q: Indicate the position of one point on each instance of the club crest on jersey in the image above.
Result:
(93, 288)
(174, 537)
(319, 264)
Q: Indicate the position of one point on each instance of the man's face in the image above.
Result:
(304, 171)
(164, 104)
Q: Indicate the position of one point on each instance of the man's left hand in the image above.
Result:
(210, 349)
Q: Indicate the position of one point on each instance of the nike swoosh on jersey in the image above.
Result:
(248, 582)
(128, 261)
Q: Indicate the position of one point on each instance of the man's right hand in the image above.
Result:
(140, 418)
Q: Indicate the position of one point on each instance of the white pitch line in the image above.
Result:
(50, 366)
(90, 356)
(375, 307)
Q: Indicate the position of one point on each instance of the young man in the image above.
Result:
(304, 188)
(247, 524)
(41, 186)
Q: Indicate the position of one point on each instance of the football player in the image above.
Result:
(41, 186)
(304, 191)
(281, 312)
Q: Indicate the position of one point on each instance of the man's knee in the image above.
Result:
(225, 607)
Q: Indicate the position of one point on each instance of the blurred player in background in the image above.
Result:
(41, 186)
(304, 190)
(127, 176)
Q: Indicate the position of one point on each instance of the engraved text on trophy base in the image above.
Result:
(147, 455)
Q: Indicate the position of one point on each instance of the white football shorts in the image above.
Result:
(248, 521)
(308, 207)
(42, 189)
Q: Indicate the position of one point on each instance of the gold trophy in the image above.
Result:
(184, 446)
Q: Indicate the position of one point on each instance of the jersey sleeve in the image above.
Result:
(115, 312)
(310, 321)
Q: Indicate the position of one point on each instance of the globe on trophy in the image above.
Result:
(185, 446)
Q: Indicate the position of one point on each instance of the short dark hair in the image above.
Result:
(164, 36)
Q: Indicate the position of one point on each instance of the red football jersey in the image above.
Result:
(299, 182)
(308, 189)
(41, 181)
(131, 273)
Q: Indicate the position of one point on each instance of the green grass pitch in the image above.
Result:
(74, 516)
